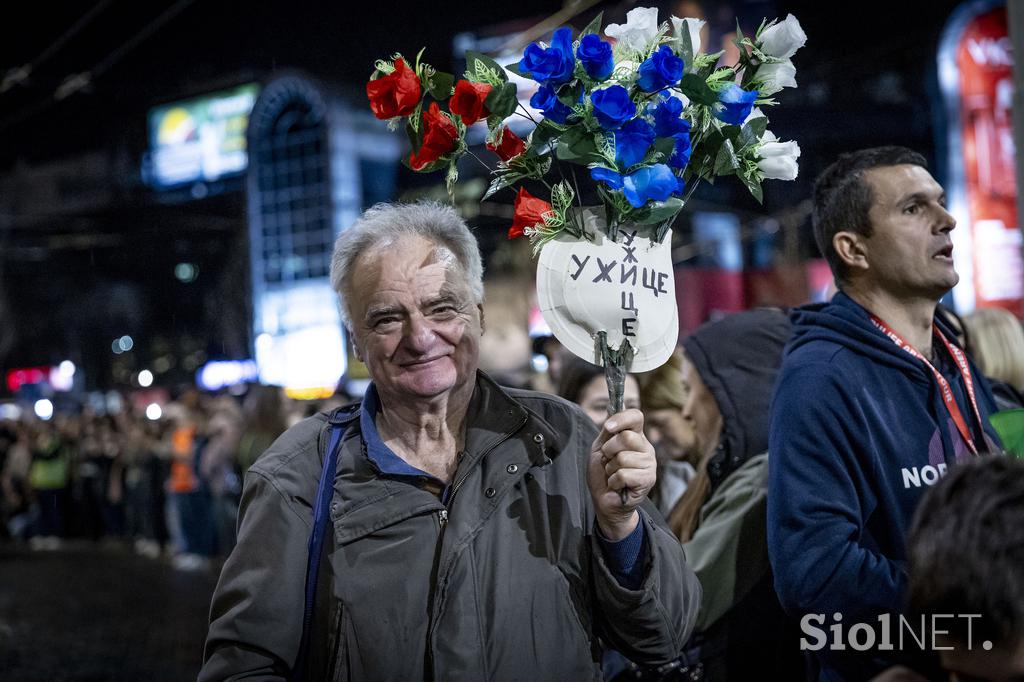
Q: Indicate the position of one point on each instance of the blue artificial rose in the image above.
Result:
(608, 177)
(612, 106)
(660, 70)
(734, 104)
(681, 152)
(632, 141)
(668, 121)
(547, 101)
(596, 57)
(650, 183)
(553, 65)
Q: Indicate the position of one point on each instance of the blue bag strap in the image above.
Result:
(316, 542)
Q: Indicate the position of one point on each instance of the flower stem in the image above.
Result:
(579, 199)
(526, 113)
(480, 161)
(692, 188)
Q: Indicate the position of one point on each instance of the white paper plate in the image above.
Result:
(630, 274)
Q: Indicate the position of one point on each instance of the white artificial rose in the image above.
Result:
(778, 159)
(640, 28)
(693, 26)
(783, 39)
(774, 77)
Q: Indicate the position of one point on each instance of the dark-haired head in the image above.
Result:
(842, 198)
(584, 384)
(966, 556)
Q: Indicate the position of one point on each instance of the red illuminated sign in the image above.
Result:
(23, 376)
(976, 70)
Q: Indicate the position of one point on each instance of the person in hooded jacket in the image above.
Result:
(727, 373)
(874, 401)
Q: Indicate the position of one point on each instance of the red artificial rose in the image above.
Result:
(511, 146)
(395, 94)
(468, 101)
(529, 211)
(439, 137)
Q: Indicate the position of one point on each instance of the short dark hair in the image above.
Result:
(966, 550)
(842, 199)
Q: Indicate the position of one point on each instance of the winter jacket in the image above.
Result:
(859, 430)
(506, 582)
(742, 632)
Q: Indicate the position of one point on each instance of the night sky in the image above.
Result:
(867, 76)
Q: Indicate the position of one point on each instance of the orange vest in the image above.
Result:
(183, 476)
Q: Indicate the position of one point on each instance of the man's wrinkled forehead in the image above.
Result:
(418, 257)
(433, 252)
(892, 184)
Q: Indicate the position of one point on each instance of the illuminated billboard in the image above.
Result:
(200, 139)
(976, 74)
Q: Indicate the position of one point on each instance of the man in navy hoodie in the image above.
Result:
(873, 402)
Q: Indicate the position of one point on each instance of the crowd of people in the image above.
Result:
(845, 460)
(167, 487)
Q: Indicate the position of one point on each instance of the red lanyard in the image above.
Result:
(947, 392)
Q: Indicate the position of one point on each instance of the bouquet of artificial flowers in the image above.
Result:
(645, 119)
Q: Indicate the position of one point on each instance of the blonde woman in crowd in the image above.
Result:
(662, 398)
(995, 339)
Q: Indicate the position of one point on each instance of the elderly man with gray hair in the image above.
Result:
(474, 532)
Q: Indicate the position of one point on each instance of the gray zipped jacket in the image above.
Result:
(505, 582)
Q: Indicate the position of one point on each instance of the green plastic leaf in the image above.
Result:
(441, 85)
(480, 66)
(665, 146)
(594, 26)
(501, 101)
(753, 130)
(414, 132)
(739, 33)
(543, 134)
(706, 63)
(657, 211)
(754, 186)
(514, 68)
(731, 132)
(696, 88)
(497, 184)
(684, 46)
(569, 94)
(576, 145)
(726, 161)
(702, 160)
(561, 199)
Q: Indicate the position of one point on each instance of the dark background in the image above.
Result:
(93, 256)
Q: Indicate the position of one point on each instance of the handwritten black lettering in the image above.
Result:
(628, 304)
(625, 274)
(655, 281)
(605, 271)
(627, 326)
(580, 265)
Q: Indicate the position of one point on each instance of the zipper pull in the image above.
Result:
(443, 517)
